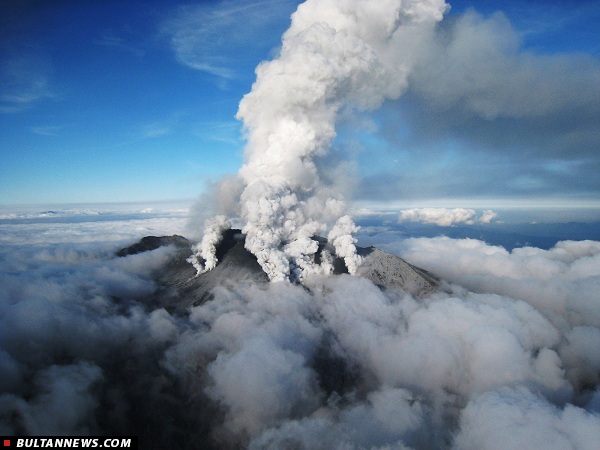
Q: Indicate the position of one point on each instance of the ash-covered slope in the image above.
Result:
(181, 288)
(389, 271)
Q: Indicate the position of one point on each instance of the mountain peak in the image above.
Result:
(181, 287)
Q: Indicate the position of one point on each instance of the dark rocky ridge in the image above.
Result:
(152, 243)
(180, 288)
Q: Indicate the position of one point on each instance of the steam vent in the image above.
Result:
(181, 287)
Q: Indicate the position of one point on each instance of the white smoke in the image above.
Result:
(207, 248)
(335, 55)
(343, 242)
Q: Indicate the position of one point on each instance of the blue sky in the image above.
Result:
(135, 101)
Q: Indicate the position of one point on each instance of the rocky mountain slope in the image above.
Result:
(182, 288)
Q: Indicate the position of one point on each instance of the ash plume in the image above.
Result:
(336, 55)
(207, 248)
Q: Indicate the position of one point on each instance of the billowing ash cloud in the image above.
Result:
(514, 112)
(335, 55)
(444, 217)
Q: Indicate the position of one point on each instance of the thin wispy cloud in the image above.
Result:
(503, 355)
(112, 39)
(227, 132)
(46, 130)
(217, 38)
(535, 20)
(24, 81)
(155, 130)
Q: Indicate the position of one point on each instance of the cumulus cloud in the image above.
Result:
(487, 216)
(566, 273)
(513, 419)
(403, 370)
(562, 283)
(67, 314)
(444, 217)
(322, 360)
(63, 404)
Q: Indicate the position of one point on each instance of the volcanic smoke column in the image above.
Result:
(336, 54)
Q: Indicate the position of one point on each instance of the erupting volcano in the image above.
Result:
(336, 55)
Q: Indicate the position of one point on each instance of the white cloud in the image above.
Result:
(487, 216)
(445, 217)
(561, 282)
(24, 81)
(155, 130)
(90, 223)
(112, 39)
(46, 130)
(216, 38)
(516, 419)
(512, 361)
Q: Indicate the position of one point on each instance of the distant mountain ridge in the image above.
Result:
(181, 287)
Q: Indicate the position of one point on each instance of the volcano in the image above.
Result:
(181, 288)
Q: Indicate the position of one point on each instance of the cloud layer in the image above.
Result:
(509, 359)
